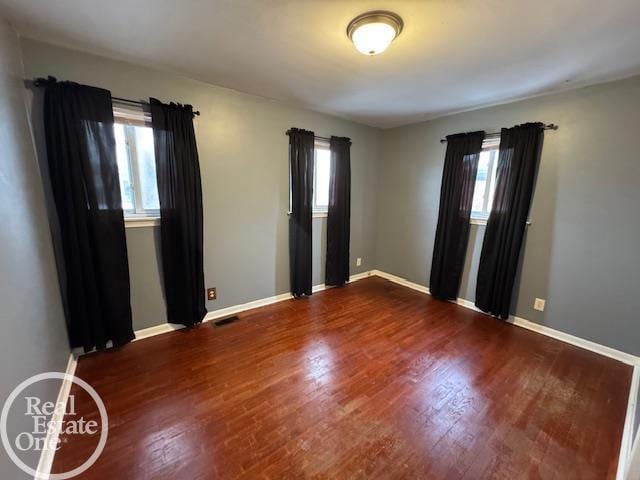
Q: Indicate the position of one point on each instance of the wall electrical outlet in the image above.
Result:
(539, 304)
(211, 293)
(358, 261)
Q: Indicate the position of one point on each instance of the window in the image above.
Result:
(321, 175)
(136, 164)
(485, 181)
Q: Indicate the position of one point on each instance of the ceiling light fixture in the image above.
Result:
(373, 32)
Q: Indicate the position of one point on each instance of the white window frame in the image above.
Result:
(493, 145)
(318, 211)
(130, 118)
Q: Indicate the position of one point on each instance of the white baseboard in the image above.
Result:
(47, 455)
(627, 444)
(225, 312)
(360, 276)
(468, 304)
(400, 281)
(156, 330)
(577, 341)
(633, 463)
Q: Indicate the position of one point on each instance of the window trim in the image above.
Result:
(141, 222)
(131, 117)
(478, 221)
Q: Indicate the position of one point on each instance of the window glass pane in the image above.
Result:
(124, 168)
(146, 168)
(477, 208)
(323, 169)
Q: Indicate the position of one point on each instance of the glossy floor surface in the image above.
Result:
(372, 380)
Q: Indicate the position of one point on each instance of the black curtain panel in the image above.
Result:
(180, 195)
(81, 156)
(456, 198)
(301, 151)
(339, 214)
(517, 166)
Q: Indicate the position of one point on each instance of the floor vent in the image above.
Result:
(225, 321)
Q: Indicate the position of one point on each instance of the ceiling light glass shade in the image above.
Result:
(373, 38)
(373, 32)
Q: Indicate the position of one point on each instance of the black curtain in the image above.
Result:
(83, 169)
(180, 195)
(339, 214)
(517, 166)
(456, 198)
(301, 151)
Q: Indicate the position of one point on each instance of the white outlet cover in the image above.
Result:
(358, 261)
(539, 304)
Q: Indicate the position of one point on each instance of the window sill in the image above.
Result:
(314, 214)
(141, 222)
(478, 221)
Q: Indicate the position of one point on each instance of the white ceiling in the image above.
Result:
(452, 55)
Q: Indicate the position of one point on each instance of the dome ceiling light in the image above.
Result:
(373, 32)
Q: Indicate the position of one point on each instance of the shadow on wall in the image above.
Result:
(34, 99)
(281, 271)
(319, 249)
(518, 280)
(472, 259)
(148, 305)
(157, 245)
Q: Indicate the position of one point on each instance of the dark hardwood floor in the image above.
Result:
(372, 380)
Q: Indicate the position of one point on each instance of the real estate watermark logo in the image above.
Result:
(46, 422)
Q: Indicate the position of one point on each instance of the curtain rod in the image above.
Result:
(140, 103)
(326, 139)
(551, 126)
(39, 82)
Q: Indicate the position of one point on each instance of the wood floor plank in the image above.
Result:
(372, 380)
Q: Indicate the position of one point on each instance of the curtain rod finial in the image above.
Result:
(41, 81)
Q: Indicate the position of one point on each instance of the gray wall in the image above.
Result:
(581, 251)
(243, 157)
(33, 336)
